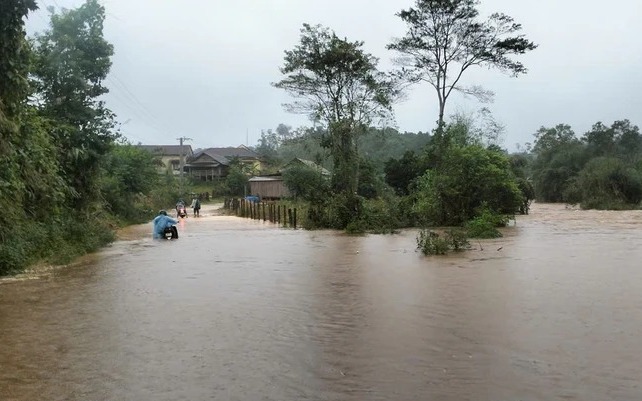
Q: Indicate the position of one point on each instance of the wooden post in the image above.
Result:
(278, 214)
(285, 217)
(263, 211)
(294, 218)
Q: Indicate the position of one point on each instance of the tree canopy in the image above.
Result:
(335, 82)
(445, 38)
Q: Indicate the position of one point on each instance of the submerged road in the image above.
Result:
(243, 310)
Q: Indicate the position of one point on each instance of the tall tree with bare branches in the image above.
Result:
(445, 38)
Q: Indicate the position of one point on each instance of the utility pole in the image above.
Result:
(181, 162)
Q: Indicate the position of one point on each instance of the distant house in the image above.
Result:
(307, 163)
(169, 155)
(271, 187)
(213, 163)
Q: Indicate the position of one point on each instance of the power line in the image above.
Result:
(129, 100)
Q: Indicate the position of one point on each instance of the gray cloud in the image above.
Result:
(203, 69)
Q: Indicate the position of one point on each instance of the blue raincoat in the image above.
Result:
(160, 222)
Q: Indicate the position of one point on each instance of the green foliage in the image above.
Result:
(337, 83)
(14, 58)
(465, 179)
(166, 193)
(341, 210)
(528, 194)
(379, 145)
(608, 183)
(457, 239)
(485, 224)
(57, 240)
(371, 183)
(445, 38)
(128, 174)
(380, 216)
(236, 182)
(402, 172)
(430, 242)
(59, 170)
(357, 215)
(559, 158)
(306, 183)
(551, 139)
(71, 61)
(599, 171)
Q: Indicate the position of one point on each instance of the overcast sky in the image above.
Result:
(202, 68)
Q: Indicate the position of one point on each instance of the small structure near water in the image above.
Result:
(272, 187)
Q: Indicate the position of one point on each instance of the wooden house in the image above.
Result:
(214, 163)
(271, 187)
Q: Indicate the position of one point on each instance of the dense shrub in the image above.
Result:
(608, 183)
(485, 224)
(465, 179)
(430, 242)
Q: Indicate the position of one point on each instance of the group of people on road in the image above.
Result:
(163, 223)
(196, 206)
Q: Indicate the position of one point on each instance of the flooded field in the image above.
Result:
(243, 310)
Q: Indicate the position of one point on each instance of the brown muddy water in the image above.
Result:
(242, 310)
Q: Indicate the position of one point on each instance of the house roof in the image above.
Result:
(167, 150)
(242, 152)
(225, 155)
(308, 163)
(207, 153)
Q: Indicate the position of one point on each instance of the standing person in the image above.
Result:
(197, 207)
(161, 222)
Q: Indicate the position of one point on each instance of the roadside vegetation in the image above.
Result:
(68, 179)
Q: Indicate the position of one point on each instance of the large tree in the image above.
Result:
(337, 83)
(72, 59)
(445, 38)
(14, 55)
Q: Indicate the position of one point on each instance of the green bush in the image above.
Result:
(465, 179)
(480, 228)
(306, 183)
(457, 239)
(485, 224)
(609, 183)
(57, 241)
(429, 242)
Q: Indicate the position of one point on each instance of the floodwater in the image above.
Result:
(243, 310)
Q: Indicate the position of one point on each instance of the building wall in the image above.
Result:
(269, 189)
(171, 163)
(208, 174)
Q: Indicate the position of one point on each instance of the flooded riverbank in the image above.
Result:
(242, 310)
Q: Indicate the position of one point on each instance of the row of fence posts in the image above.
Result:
(266, 211)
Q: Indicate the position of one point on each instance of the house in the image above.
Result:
(169, 155)
(271, 187)
(213, 163)
(307, 163)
